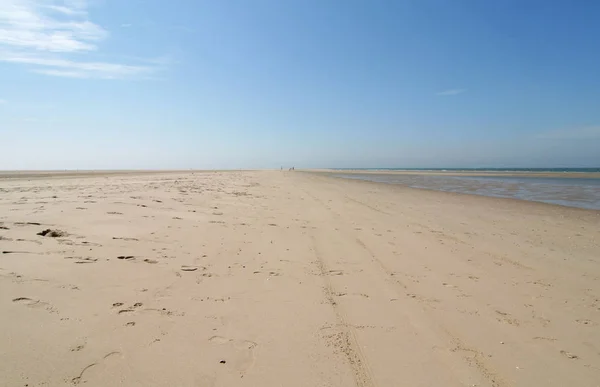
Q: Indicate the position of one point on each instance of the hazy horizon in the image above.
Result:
(101, 85)
(450, 169)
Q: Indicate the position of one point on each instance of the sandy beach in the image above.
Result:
(290, 279)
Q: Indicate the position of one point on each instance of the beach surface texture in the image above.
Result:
(278, 278)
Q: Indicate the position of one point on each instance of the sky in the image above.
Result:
(155, 84)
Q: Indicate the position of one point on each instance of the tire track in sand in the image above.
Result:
(347, 341)
(470, 356)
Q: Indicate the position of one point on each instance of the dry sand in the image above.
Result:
(291, 279)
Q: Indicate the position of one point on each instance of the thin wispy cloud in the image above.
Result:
(126, 25)
(65, 10)
(3, 101)
(451, 92)
(54, 37)
(584, 133)
(75, 69)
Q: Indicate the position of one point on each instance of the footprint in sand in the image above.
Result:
(569, 355)
(586, 322)
(81, 378)
(126, 257)
(128, 310)
(33, 303)
(189, 268)
(26, 301)
(507, 318)
(238, 353)
(78, 348)
(87, 260)
(335, 272)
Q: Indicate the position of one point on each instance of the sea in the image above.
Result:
(573, 188)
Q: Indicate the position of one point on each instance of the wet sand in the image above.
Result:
(571, 191)
(290, 278)
(585, 175)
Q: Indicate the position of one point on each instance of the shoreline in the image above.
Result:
(589, 175)
(441, 188)
(497, 203)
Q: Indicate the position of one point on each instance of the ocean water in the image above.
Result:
(571, 191)
(572, 170)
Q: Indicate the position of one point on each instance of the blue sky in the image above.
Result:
(105, 84)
